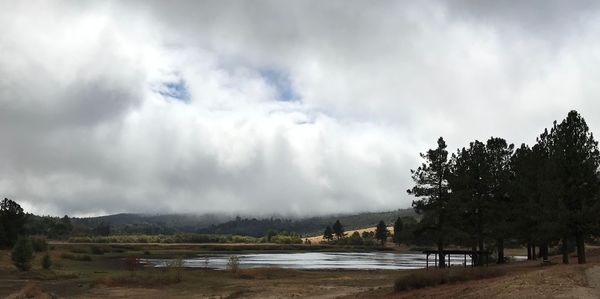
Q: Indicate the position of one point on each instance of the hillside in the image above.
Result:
(221, 224)
(305, 226)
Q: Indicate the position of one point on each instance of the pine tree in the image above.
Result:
(328, 234)
(431, 189)
(13, 220)
(381, 232)
(499, 155)
(338, 230)
(577, 158)
(398, 226)
(470, 194)
(22, 254)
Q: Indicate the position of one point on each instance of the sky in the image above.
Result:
(292, 108)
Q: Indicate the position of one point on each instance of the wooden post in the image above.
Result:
(427, 262)
(465, 263)
(435, 257)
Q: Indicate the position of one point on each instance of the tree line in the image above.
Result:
(486, 193)
(380, 234)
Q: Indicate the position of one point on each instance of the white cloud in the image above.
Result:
(85, 129)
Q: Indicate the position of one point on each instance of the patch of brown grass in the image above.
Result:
(267, 273)
(31, 290)
(431, 277)
(153, 279)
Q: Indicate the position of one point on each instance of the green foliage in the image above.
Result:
(76, 257)
(398, 226)
(22, 253)
(328, 233)
(381, 232)
(233, 263)
(338, 229)
(355, 239)
(12, 219)
(46, 261)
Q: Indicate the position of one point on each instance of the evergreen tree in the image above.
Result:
(22, 254)
(338, 230)
(13, 221)
(431, 189)
(502, 209)
(328, 234)
(381, 232)
(398, 226)
(46, 261)
(470, 194)
(577, 158)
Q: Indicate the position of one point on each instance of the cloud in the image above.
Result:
(261, 108)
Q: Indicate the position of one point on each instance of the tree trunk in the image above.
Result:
(529, 252)
(500, 251)
(533, 255)
(580, 248)
(442, 260)
(544, 251)
(475, 256)
(481, 262)
(565, 251)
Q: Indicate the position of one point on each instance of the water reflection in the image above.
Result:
(313, 260)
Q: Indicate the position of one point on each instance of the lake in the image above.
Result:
(313, 260)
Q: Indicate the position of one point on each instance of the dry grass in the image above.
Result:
(425, 278)
(31, 290)
(268, 273)
(318, 239)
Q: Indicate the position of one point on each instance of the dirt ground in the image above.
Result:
(105, 277)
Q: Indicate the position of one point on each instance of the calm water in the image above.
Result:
(313, 260)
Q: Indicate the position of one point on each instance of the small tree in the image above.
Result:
(398, 225)
(46, 261)
(13, 220)
(328, 234)
(338, 230)
(381, 232)
(22, 254)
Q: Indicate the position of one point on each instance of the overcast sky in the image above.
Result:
(272, 107)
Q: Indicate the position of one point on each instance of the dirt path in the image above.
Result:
(593, 279)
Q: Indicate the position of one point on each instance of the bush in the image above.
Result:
(175, 267)
(97, 250)
(431, 277)
(233, 263)
(39, 243)
(76, 257)
(46, 261)
(22, 254)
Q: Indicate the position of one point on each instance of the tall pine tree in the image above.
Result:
(431, 189)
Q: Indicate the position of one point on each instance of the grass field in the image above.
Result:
(105, 275)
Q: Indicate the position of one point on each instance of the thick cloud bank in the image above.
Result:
(262, 107)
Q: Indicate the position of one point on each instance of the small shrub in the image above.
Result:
(175, 267)
(97, 250)
(132, 263)
(46, 261)
(146, 252)
(22, 254)
(39, 243)
(233, 263)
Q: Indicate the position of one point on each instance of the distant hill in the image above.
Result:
(127, 223)
(306, 226)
